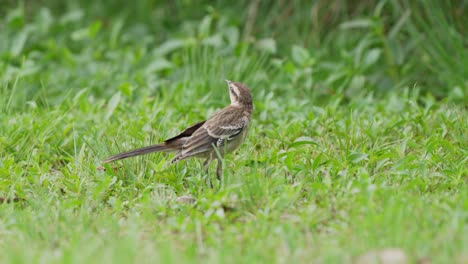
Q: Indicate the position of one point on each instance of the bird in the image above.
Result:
(211, 139)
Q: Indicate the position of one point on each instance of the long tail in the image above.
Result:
(141, 151)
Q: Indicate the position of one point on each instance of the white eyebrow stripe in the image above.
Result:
(236, 90)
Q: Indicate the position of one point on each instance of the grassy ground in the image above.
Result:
(355, 147)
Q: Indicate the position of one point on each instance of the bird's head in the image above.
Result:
(239, 93)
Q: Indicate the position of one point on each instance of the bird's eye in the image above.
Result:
(233, 91)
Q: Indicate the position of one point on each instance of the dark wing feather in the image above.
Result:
(200, 142)
(187, 132)
(222, 127)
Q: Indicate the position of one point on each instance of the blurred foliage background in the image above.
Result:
(358, 134)
(317, 48)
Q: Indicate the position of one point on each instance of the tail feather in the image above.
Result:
(163, 147)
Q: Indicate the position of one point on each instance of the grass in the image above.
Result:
(348, 152)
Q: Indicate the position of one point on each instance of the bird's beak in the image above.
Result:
(228, 82)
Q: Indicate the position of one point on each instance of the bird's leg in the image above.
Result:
(206, 165)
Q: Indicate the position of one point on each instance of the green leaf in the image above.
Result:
(335, 77)
(318, 161)
(372, 57)
(232, 35)
(357, 23)
(357, 83)
(115, 32)
(18, 43)
(15, 18)
(79, 34)
(268, 45)
(399, 24)
(94, 29)
(357, 157)
(112, 105)
(168, 46)
(89, 32)
(215, 41)
(126, 89)
(158, 65)
(300, 55)
(303, 141)
(457, 94)
(73, 16)
(204, 27)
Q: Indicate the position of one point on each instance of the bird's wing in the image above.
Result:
(187, 132)
(224, 126)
